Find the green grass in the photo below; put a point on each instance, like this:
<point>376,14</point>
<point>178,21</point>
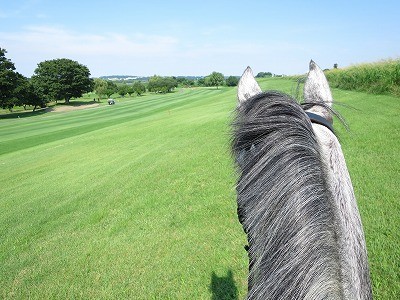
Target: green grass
<point>137,200</point>
<point>377,78</point>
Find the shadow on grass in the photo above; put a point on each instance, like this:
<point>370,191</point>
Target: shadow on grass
<point>77,103</point>
<point>24,114</point>
<point>41,111</point>
<point>213,88</point>
<point>223,288</point>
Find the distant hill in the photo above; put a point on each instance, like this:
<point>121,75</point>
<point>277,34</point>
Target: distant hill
<point>124,77</point>
<point>130,78</point>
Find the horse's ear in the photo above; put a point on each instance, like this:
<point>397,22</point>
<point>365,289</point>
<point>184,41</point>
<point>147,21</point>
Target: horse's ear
<point>248,86</point>
<point>316,90</point>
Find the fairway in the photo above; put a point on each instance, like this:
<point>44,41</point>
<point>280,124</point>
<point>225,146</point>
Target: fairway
<point>137,200</point>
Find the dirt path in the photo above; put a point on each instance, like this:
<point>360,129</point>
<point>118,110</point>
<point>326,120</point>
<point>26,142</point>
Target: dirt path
<point>65,108</point>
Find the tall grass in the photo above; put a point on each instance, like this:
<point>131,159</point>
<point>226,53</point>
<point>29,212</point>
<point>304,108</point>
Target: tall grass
<point>377,78</point>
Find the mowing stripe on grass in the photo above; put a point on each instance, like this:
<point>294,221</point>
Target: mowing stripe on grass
<point>141,203</point>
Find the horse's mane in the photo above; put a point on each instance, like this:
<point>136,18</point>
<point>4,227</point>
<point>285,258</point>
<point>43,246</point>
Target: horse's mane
<point>284,203</point>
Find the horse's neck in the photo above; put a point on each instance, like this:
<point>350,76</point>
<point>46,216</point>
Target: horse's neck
<point>353,255</point>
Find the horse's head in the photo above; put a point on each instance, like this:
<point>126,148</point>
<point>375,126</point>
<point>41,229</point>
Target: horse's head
<point>294,180</point>
<point>316,90</point>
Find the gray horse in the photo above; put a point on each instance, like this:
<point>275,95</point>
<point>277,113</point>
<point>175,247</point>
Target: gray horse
<point>295,198</point>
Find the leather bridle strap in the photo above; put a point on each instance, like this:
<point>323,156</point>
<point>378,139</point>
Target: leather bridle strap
<point>320,120</point>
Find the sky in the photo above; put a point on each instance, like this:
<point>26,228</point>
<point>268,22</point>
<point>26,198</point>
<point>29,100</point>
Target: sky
<point>178,38</point>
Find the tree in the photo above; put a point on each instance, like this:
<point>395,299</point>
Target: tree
<point>215,79</point>
<point>232,81</point>
<point>201,81</point>
<point>111,88</point>
<point>104,87</point>
<point>123,89</point>
<point>16,89</point>
<point>160,84</point>
<point>185,82</point>
<point>189,83</point>
<point>62,79</point>
<point>264,74</point>
<point>100,87</point>
<point>139,88</point>
<point>8,81</point>
<point>25,94</point>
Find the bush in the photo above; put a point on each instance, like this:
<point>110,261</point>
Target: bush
<point>232,81</point>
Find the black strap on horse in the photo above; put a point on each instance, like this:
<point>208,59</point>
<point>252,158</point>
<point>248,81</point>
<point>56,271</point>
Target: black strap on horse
<point>317,119</point>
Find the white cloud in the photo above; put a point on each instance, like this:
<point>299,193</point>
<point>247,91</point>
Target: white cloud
<point>45,39</point>
<point>38,43</point>
<point>109,53</point>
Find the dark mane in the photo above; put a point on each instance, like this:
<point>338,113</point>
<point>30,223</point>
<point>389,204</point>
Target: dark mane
<point>284,203</point>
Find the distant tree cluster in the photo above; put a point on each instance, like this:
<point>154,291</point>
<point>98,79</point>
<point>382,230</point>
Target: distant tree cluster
<point>105,88</point>
<point>185,82</point>
<point>158,84</point>
<point>215,79</point>
<point>267,74</point>
<point>138,87</point>
<point>232,81</point>
<point>264,74</point>
<point>218,79</point>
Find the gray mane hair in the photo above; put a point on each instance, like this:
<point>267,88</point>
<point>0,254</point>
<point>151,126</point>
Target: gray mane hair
<point>284,202</point>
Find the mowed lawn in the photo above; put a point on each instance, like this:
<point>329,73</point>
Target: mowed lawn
<point>137,200</point>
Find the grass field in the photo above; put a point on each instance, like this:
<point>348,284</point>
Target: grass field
<point>137,200</point>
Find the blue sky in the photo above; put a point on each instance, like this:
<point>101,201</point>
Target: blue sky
<point>199,37</point>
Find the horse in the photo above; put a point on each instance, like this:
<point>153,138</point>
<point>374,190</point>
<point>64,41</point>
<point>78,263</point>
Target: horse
<point>295,199</point>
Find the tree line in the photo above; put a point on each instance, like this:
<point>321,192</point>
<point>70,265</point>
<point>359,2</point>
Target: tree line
<point>64,79</point>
